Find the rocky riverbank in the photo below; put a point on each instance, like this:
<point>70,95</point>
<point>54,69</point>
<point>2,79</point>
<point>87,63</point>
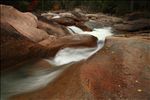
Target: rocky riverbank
<point>119,71</point>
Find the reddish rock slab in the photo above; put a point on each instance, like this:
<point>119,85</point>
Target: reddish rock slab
<point>119,71</point>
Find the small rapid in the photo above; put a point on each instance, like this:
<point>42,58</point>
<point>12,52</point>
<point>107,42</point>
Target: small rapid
<point>68,55</point>
<point>22,80</point>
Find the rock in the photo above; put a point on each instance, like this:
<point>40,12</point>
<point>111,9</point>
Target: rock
<point>119,71</point>
<point>93,24</point>
<point>71,22</point>
<point>67,14</point>
<point>24,23</point>
<point>92,16</point>
<point>101,20</point>
<point>22,48</point>
<point>137,15</point>
<point>79,14</point>
<point>53,28</point>
<point>57,90</point>
<point>55,15</point>
<point>48,15</point>
<point>21,39</point>
<point>65,21</point>
<point>56,43</point>
<point>135,25</point>
<point>83,26</point>
<point>15,48</point>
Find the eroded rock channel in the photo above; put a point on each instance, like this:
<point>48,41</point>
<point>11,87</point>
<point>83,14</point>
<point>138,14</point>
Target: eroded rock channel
<point>58,56</point>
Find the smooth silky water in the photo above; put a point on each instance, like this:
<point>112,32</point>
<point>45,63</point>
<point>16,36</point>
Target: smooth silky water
<point>24,80</point>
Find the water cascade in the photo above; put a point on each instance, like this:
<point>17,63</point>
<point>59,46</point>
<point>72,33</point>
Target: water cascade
<point>19,81</point>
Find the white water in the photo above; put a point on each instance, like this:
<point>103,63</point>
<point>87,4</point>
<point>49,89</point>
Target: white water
<point>19,81</point>
<point>68,55</point>
<point>23,80</point>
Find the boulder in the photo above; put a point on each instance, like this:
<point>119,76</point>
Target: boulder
<point>21,40</point>
<point>67,14</point>
<point>83,26</point>
<point>77,12</point>
<point>24,23</point>
<point>135,25</point>
<point>101,20</point>
<point>137,15</point>
<point>48,15</point>
<point>22,48</point>
<point>16,48</point>
<point>93,24</point>
<point>52,27</point>
<point>66,21</point>
<point>56,43</point>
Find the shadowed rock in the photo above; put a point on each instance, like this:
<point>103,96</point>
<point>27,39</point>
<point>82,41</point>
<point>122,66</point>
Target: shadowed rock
<point>15,47</point>
<point>21,39</point>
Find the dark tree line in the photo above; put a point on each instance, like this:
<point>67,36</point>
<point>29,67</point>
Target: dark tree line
<point>106,6</point>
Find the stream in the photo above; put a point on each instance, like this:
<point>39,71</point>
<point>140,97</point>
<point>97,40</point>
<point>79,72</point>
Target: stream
<point>24,80</point>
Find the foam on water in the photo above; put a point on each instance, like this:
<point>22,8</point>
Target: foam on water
<point>68,55</point>
<point>74,29</point>
<point>22,80</point>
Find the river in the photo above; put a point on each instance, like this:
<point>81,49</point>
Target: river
<point>29,77</point>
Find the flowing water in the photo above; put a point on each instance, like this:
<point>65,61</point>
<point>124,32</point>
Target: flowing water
<point>23,80</point>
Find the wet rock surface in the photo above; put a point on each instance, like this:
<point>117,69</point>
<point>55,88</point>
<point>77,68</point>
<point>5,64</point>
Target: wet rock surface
<point>28,37</point>
<point>118,71</point>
